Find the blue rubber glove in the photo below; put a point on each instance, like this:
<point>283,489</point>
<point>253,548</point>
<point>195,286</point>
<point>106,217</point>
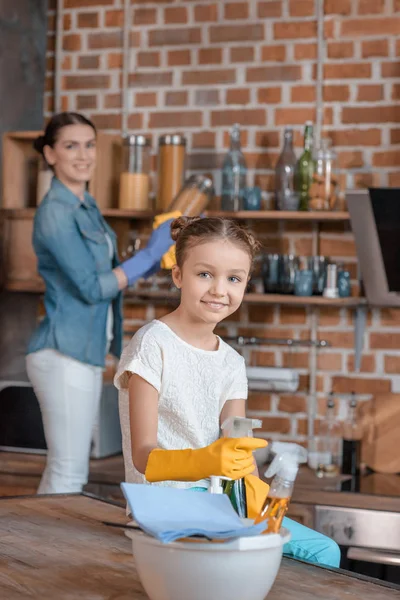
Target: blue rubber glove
<point>144,263</point>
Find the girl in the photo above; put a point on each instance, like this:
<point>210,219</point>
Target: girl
<point>77,259</point>
<point>179,381</point>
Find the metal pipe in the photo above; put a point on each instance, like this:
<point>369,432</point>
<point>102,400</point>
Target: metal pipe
<point>319,119</point>
<point>125,67</point>
<point>58,55</point>
<point>242,340</point>
<point>312,398</point>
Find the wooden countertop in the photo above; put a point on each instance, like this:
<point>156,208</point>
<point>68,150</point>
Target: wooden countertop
<point>57,547</point>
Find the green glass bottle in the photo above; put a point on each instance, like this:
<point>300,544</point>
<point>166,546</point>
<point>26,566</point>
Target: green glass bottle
<point>305,168</point>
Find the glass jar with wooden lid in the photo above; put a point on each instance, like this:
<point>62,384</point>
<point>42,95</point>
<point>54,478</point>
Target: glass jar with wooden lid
<point>171,168</point>
<point>194,196</point>
<point>135,175</point>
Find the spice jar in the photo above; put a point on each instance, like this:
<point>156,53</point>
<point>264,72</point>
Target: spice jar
<point>171,169</point>
<point>44,177</point>
<point>194,196</point>
<point>324,187</point>
<point>135,177</point>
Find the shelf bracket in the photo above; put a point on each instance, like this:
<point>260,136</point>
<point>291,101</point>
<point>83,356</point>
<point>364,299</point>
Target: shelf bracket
<point>360,322</point>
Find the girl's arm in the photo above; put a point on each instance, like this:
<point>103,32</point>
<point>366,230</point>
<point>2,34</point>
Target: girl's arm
<point>143,417</point>
<point>236,408</point>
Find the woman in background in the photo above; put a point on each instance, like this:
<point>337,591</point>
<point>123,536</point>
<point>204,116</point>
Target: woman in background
<point>77,259</point>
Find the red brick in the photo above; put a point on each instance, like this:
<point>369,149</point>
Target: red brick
<point>295,360</point>
<point>338,7</point>
<point>86,102</point>
<point>260,314</point>
<point>98,41</point>
<point>350,160</point>
<point>336,93</point>
<point>176,98</point>
<point>278,73</point>
<point>107,121</point>
<point>261,358</point>
<point>72,42</point>
<point>113,101</point>
<point>259,401</point>
<point>150,79</point>
<point>86,82</point>
<point>294,30</point>
<point>292,404</point>
<point>390,69</point>
<point>380,341</point>
<point>302,426</point>
<point>242,54</point>
<point>329,361</point>
<point>175,37</point>
<point>265,182</point>
<point>203,139</point>
<point>396,5</point>
<point>88,62</point>
<point>303,93</point>
<point>337,247</point>
<point>365,27</point>
<point>340,49</point>
<point>67,22</point>
<point>395,136</point>
<point>369,93</point>
<point>370,114</point>
<point>292,315</point>
<point>145,99</point>
<point>367,363</point>
<point>269,9</point>
<point>346,385</point>
<point>338,339</point>
<point>392,364</point>
<point>67,63</point>
<point>90,20</point>
<point>395,91</point>
<point>394,179</point>
<point>175,14</point>
<point>301,8</point>
<point>371,7</point>
<point>347,71</point>
<point>276,53</point>
<point>114,18</point>
<point>135,121</point>
<point>297,116</point>
<point>245,117</point>
<point>355,137</point>
<point>265,160</point>
<point>206,97</point>
<point>210,56</point>
<point>82,3</point>
<point>267,139</point>
<point>236,33</point>
<point>179,57</point>
<point>206,13</point>
<point>375,48</point>
<point>148,59</point>
<point>236,10</point>
<point>114,60</point>
<point>388,158</point>
<point>238,96</point>
<point>209,77</point>
<point>145,16</point>
<point>305,51</point>
<point>166,120</point>
<point>362,181</point>
<point>276,424</point>
<point>269,95</point>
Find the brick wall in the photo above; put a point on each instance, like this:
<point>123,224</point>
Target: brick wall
<point>198,67</point>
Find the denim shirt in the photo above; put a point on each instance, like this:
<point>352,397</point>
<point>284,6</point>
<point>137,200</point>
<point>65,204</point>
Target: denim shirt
<point>73,259</point>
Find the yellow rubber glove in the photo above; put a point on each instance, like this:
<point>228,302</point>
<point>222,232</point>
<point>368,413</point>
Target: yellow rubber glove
<point>229,457</point>
<point>256,493</point>
<point>169,258</point>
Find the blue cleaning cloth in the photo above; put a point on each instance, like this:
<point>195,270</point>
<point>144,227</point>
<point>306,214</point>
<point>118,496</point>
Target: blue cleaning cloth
<point>170,513</point>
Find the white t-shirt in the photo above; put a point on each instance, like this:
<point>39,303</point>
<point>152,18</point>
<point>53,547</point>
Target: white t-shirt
<point>193,386</point>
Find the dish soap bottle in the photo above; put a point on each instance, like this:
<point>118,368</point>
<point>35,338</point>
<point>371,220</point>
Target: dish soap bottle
<point>237,427</point>
<point>234,173</point>
<point>284,469</point>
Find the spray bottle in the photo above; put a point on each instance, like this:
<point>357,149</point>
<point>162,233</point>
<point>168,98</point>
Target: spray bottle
<point>284,468</point>
<point>235,427</point>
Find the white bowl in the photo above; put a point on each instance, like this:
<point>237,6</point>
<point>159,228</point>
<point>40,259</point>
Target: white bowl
<point>242,569</point>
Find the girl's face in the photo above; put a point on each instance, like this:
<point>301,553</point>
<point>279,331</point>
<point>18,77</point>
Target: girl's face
<point>212,280</point>
<point>73,155</point>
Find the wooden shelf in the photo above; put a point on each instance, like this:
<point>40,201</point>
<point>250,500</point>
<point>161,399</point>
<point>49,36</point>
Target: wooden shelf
<point>282,215</point>
<point>128,214</point>
<point>258,299</point>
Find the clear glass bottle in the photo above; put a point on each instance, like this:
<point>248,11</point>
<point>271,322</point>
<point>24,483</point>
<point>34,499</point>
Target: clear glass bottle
<point>330,434</point>
<point>305,168</point>
<point>234,174</point>
<point>324,190</point>
<point>285,195</point>
<point>352,435</point>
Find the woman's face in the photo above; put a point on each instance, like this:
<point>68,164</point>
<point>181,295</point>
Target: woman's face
<point>73,155</point>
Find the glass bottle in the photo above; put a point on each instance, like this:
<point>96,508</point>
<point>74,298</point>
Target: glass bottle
<point>352,434</point>
<point>330,434</point>
<point>324,190</point>
<point>285,196</point>
<point>234,173</point>
<point>305,168</point>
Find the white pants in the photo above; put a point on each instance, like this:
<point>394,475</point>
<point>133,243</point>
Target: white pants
<point>69,393</point>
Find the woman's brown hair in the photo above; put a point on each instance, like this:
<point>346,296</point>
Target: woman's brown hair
<point>188,232</point>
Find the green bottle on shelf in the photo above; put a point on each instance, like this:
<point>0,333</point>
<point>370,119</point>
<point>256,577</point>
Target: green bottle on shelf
<point>305,168</point>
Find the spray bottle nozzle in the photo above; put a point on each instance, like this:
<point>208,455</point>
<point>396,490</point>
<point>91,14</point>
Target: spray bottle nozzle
<point>287,460</point>
<point>216,485</point>
<point>236,427</point>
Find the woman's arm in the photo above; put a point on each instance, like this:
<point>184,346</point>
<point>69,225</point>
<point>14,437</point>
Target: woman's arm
<point>143,416</point>
<point>236,408</point>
